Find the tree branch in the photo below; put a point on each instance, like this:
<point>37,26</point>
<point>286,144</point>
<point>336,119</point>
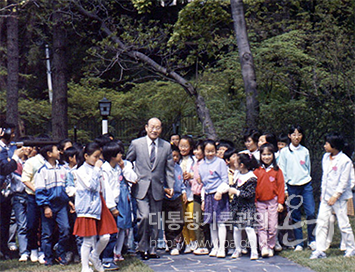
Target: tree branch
<point>136,54</point>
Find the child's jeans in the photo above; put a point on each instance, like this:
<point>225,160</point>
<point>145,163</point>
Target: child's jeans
<point>33,216</point>
<point>302,196</point>
<point>19,204</point>
<point>60,216</point>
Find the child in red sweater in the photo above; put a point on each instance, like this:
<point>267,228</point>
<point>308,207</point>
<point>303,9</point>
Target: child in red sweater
<point>269,196</point>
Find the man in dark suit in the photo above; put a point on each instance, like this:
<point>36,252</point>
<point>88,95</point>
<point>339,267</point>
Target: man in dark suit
<point>154,165</point>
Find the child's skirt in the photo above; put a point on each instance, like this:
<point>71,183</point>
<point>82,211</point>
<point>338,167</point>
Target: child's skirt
<point>124,220</point>
<point>85,226</point>
<point>216,211</point>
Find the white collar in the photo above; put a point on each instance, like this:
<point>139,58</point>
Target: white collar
<point>335,157</point>
<point>149,141</point>
<point>210,161</point>
<point>293,148</point>
<point>49,166</point>
<point>242,178</point>
<point>267,169</point>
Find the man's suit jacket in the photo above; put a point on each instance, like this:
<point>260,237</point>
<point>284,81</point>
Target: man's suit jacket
<point>161,171</point>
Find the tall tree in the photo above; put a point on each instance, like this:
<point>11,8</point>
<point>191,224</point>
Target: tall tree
<point>2,54</point>
<point>12,68</point>
<point>60,84</point>
<point>129,51</point>
<point>247,63</point>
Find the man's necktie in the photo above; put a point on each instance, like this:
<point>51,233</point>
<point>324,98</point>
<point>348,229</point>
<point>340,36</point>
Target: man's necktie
<point>152,153</point>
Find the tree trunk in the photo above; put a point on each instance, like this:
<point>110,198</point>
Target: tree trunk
<point>201,108</point>
<point>247,64</point>
<point>2,53</point>
<point>205,118</point>
<point>12,70</point>
<point>60,87</point>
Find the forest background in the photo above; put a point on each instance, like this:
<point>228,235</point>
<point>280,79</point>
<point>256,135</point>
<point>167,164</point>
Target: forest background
<point>303,53</point>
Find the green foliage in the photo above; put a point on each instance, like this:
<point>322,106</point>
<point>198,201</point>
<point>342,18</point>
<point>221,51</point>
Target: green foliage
<point>34,112</point>
<point>129,111</point>
<point>202,29</point>
<point>304,61</point>
<point>142,5</point>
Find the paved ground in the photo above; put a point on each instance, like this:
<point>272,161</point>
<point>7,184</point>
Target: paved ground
<point>192,263</point>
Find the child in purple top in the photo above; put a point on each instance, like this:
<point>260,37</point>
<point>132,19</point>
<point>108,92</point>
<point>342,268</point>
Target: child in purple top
<point>214,176</point>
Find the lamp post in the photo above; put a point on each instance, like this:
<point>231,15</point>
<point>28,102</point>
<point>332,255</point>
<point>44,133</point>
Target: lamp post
<point>105,109</point>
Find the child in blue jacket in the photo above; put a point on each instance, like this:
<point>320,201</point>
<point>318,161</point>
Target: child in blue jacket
<point>53,202</point>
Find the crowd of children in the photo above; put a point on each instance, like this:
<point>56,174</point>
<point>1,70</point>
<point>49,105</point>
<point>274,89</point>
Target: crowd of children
<point>224,203</point>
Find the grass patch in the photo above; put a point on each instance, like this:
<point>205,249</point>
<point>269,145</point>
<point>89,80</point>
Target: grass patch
<point>128,265</point>
<point>334,261</point>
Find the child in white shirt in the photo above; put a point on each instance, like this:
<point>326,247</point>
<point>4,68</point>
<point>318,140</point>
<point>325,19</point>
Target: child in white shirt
<point>336,190</point>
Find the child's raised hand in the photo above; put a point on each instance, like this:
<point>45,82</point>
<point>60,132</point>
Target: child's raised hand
<point>217,196</point>
<point>121,164</point>
<point>280,208</point>
<point>99,163</point>
<point>19,152</point>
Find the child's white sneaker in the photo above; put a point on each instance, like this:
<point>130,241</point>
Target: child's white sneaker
<point>221,253</point>
<point>213,252</point>
<point>298,248</point>
<point>187,249</point>
<point>317,255</point>
<point>271,252</point>
<point>244,251</point>
<point>349,254</point>
<point>13,248</point>
<point>41,259</point>
<point>23,257</point>
<point>201,251</point>
<point>265,252</point>
<point>278,247</point>
<point>313,246</point>
<point>34,255</point>
<point>236,254</point>
<point>174,252</point>
<point>254,255</point>
<point>96,263</point>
